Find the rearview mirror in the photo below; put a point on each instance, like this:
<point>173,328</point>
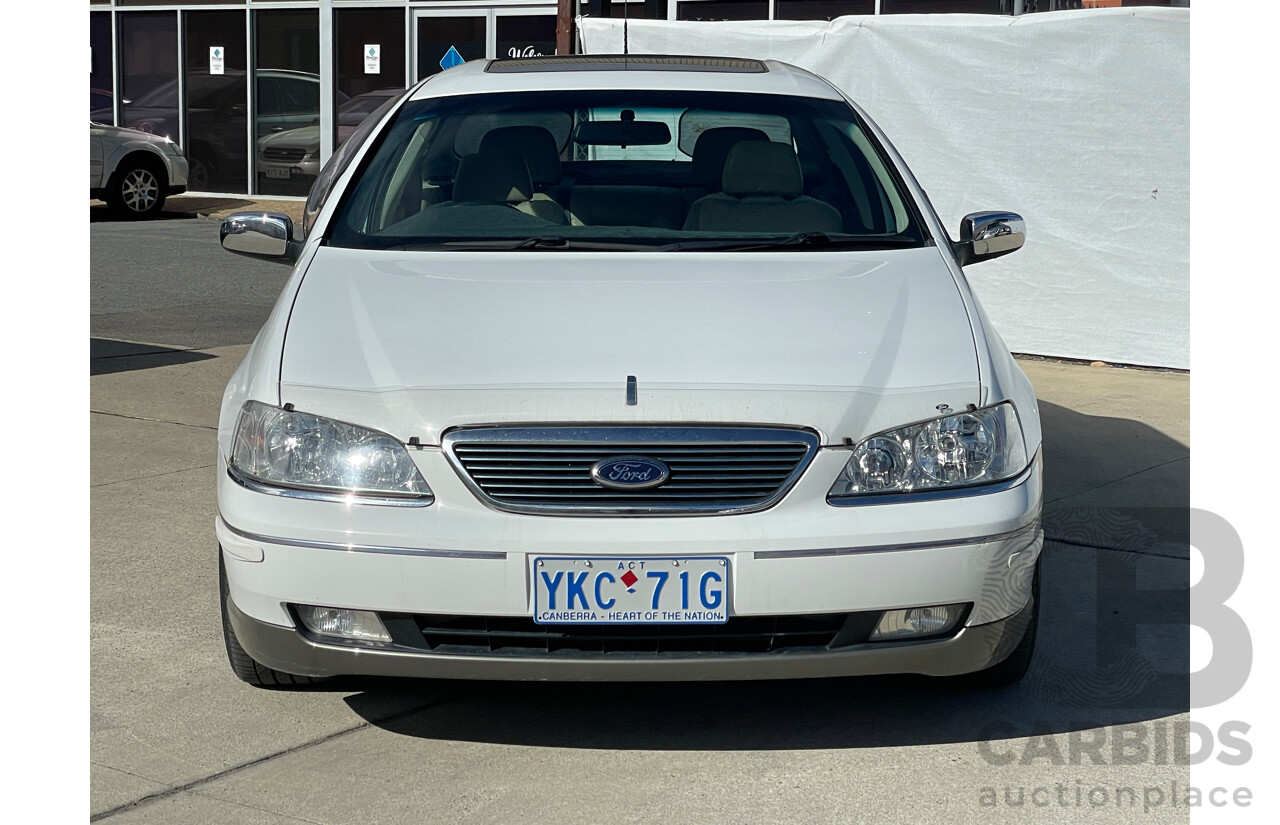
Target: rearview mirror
<point>622,133</point>
<point>267,235</point>
<point>987,235</point>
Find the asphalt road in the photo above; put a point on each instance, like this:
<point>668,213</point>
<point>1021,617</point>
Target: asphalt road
<point>168,282</point>
<point>175,738</point>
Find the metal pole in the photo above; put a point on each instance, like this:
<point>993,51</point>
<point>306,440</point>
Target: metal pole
<point>564,26</point>
<point>327,69</point>
<point>1019,7</point>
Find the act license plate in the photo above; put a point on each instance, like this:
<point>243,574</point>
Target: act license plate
<point>276,172</point>
<point>631,591</point>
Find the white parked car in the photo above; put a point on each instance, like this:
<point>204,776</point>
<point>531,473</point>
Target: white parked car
<point>655,368</point>
<point>134,171</point>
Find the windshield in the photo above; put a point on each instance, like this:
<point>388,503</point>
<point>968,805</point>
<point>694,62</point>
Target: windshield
<point>625,169</point>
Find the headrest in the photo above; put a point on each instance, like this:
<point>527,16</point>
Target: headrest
<point>762,168</point>
<point>533,143</point>
<point>712,149</point>
<point>492,179</point>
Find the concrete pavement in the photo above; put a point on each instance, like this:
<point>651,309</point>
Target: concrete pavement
<point>175,738</point>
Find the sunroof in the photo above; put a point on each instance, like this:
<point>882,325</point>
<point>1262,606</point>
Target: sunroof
<point>623,62</point>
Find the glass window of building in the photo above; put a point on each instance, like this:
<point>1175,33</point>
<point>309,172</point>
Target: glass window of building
<point>101,82</point>
<point>723,10</point>
<point>462,33</point>
<point>940,6</point>
<point>149,72</point>
<point>821,9</point>
<point>525,35</point>
<point>217,114</point>
<point>286,94</point>
<point>370,59</point>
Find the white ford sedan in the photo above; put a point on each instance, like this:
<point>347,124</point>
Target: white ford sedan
<point>643,368</point>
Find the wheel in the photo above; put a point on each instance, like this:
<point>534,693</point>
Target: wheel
<point>1013,668</point>
<point>136,190</point>
<point>242,664</point>
<point>199,172</point>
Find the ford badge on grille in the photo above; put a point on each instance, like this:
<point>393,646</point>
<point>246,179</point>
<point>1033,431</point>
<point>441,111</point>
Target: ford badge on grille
<point>629,472</point>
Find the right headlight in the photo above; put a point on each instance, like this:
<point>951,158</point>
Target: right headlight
<point>298,452</point>
<point>957,450</point>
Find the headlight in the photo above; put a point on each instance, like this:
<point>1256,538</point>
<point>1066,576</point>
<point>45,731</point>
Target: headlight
<point>958,450</point>
<point>298,451</point>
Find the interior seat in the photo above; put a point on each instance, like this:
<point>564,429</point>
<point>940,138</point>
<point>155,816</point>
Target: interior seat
<point>502,178</point>
<point>710,152</point>
<point>763,192</point>
<point>537,146</point>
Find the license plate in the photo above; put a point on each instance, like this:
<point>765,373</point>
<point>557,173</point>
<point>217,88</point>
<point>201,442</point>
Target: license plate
<point>631,591</point>
<point>276,172</point>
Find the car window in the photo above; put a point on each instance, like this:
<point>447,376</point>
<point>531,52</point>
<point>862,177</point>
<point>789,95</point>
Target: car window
<point>340,159</point>
<point>472,128</point>
<point>268,97</point>
<point>298,95</point>
<point>696,121</point>
<point>660,169</point>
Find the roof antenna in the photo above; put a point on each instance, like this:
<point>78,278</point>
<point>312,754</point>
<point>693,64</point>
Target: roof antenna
<point>625,51</point>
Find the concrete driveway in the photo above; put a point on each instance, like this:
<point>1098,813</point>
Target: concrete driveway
<point>176,738</point>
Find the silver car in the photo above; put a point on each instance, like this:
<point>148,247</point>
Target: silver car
<point>134,171</point>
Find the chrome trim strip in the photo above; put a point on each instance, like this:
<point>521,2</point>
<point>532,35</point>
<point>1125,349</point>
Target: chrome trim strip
<point>318,495</point>
<point>1032,528</point>
<point>946,493</point>
<point>634,439</point>
<point>363,548</point>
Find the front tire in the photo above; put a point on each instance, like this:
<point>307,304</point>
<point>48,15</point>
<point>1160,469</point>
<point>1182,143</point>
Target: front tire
<point>137,190</point>
<point>243,665</point>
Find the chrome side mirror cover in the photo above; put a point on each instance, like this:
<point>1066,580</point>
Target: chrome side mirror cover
<point>987,235</point>
<point>267,235</point>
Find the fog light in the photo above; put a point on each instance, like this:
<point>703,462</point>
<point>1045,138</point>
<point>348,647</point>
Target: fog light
<point>354,625</point>
<point>917,621</point>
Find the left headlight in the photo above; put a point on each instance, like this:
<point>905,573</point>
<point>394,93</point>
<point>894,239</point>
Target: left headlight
<point>957,450</point>
<point>298,451</point>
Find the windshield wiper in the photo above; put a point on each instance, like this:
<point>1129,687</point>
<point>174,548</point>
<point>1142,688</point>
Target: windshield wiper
<point>543,242</point>
<point>798,239</point>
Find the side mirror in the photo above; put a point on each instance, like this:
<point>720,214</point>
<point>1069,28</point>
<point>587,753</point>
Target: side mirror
<point>266,235</point>
<point>987,235</point>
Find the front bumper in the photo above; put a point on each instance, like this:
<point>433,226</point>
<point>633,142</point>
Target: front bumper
<point>973,648</point>
<point>802,556</point>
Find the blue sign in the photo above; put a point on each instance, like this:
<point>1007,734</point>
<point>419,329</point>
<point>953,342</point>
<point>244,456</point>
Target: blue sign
<point>451,58</point>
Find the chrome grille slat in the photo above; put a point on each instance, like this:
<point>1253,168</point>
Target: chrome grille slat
<point>547,470</point>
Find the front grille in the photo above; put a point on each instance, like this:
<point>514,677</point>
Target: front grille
<point>712,469</point>
<point>284,154</point>
<point>514,636</point>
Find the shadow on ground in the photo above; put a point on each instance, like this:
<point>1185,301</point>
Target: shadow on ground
<point>107,356</point>
<point>175,208</point>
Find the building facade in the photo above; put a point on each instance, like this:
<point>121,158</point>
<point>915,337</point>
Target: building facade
<point>260,92</point>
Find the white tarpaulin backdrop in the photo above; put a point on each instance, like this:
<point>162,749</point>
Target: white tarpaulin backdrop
<point>1080,121</point>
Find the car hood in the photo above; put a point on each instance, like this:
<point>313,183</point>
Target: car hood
<point>122,134</point>
<point>416,343</point>
<point>304,137</point>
